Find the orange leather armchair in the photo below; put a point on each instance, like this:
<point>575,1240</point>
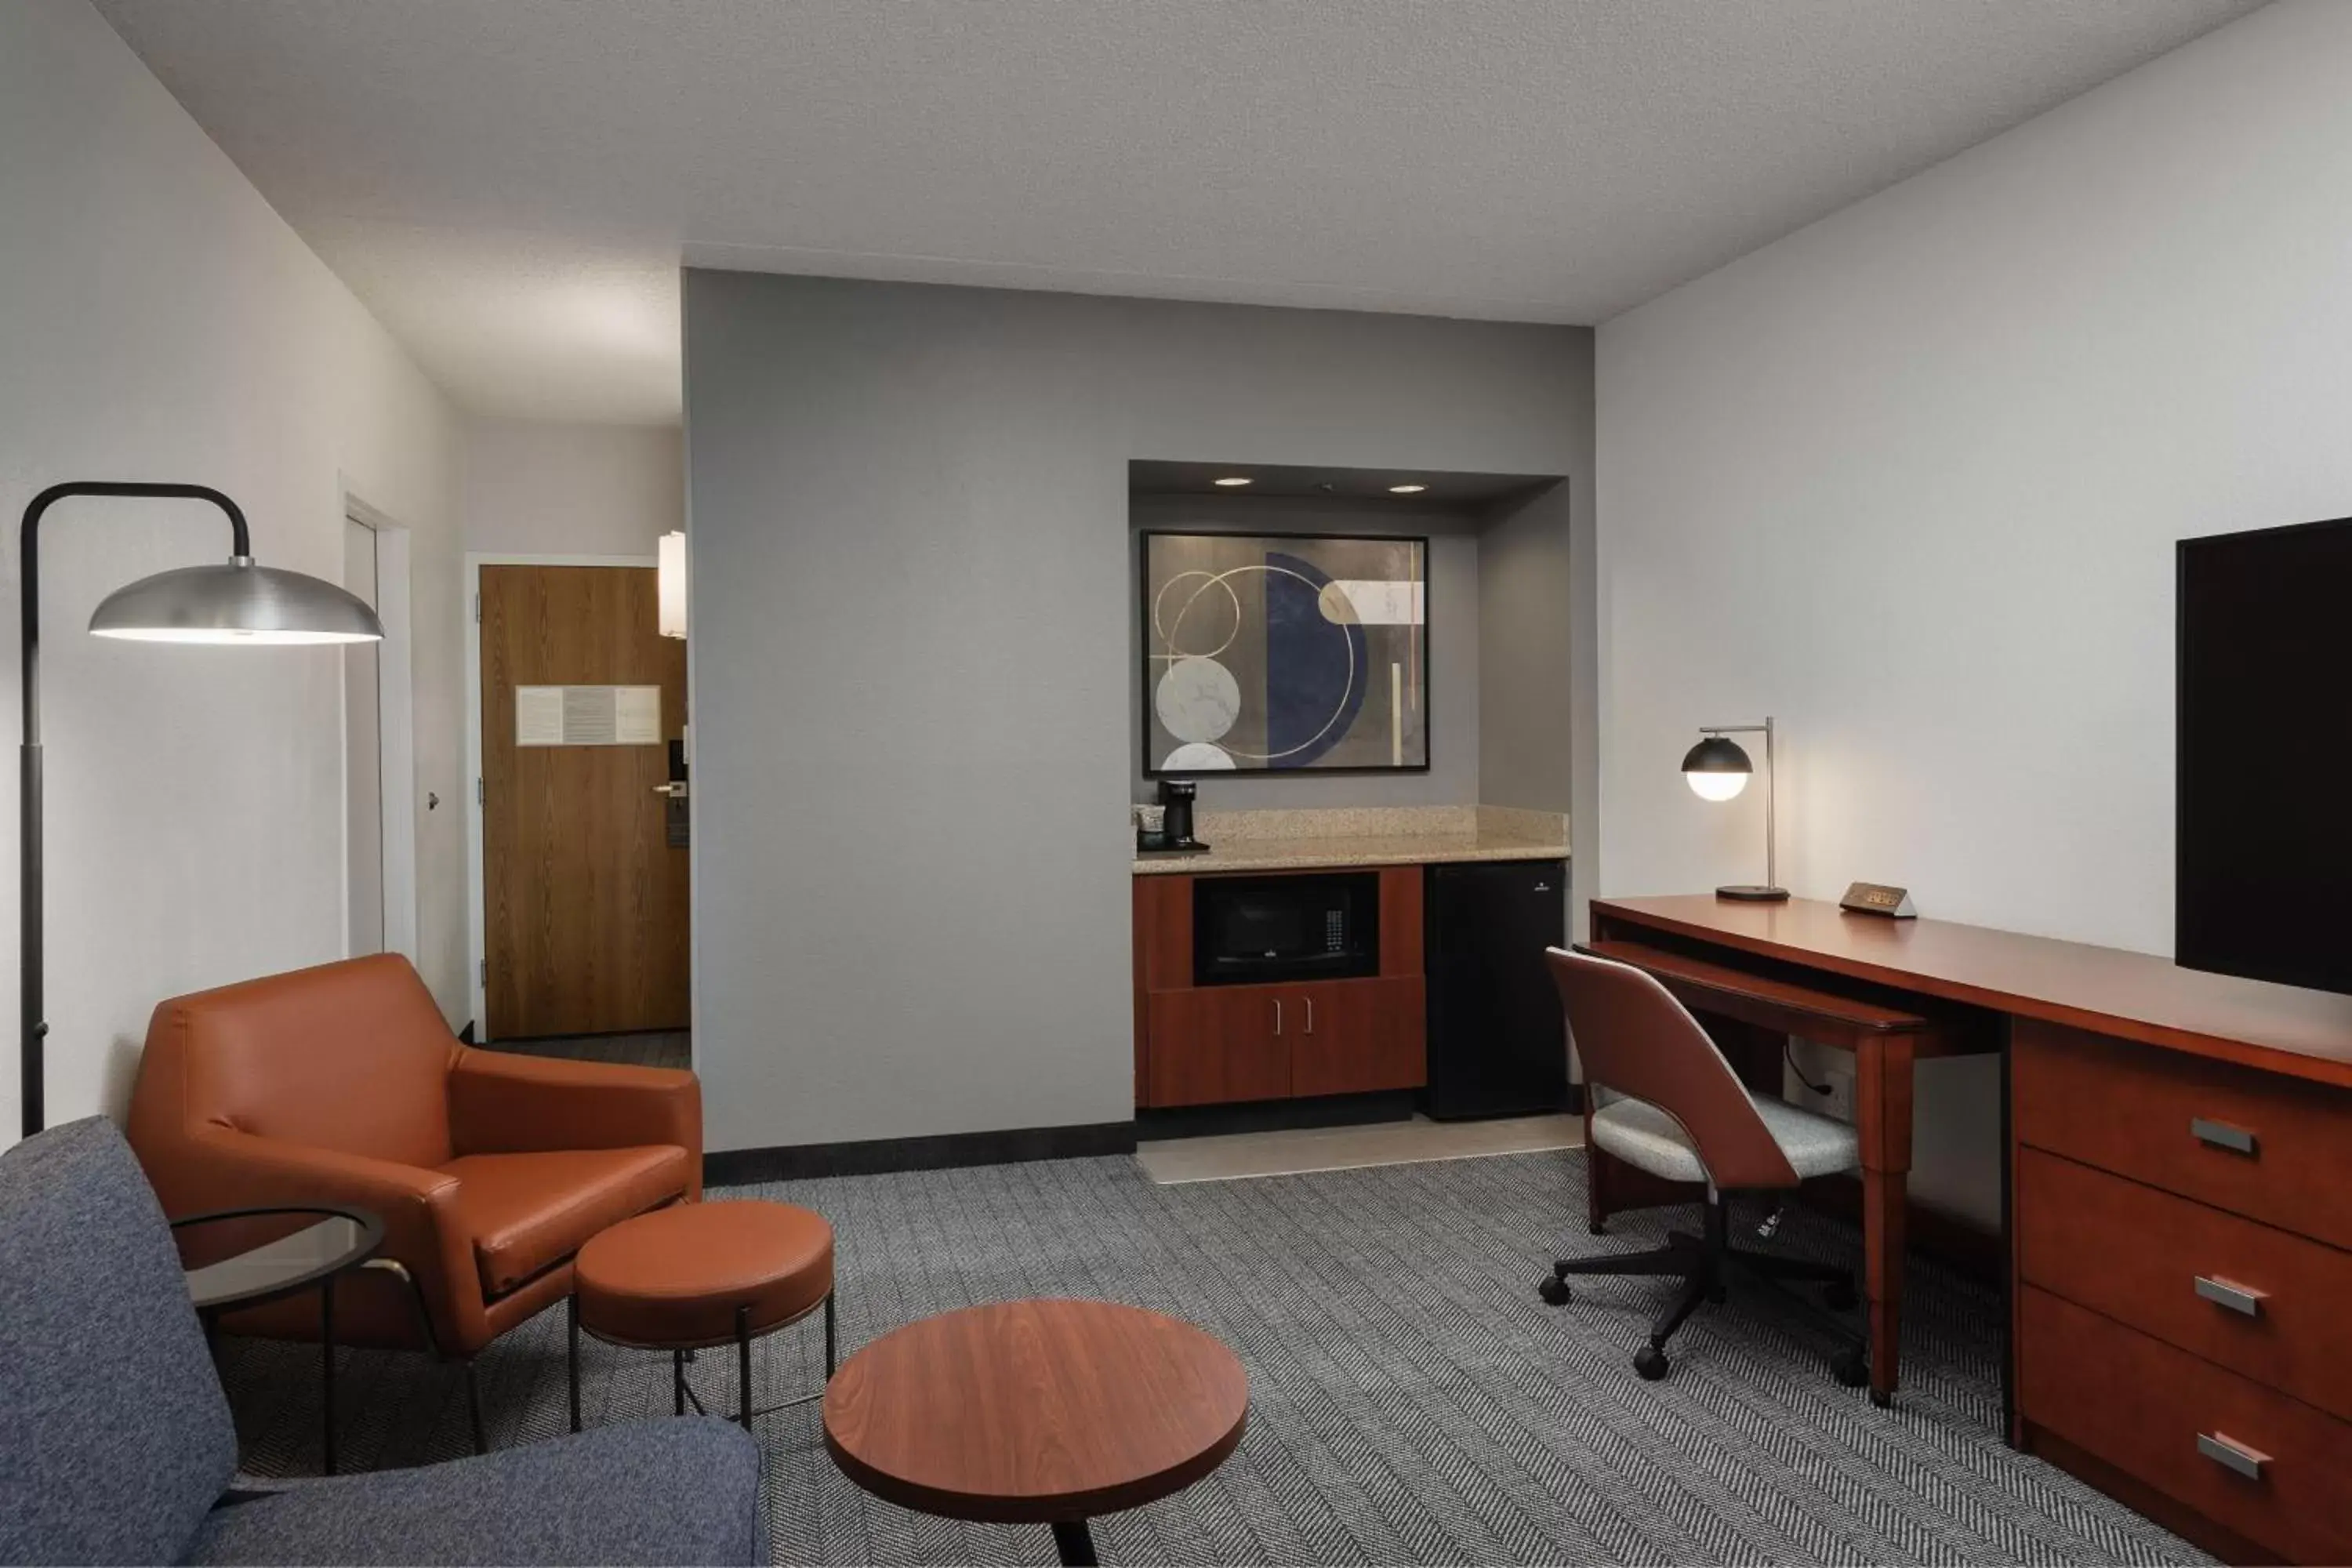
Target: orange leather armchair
<point>342,1085</point>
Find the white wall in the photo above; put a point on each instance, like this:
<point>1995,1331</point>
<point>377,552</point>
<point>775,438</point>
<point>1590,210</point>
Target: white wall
<point>1911,479</point>
<point>570,489</point>
<point>158,320</point>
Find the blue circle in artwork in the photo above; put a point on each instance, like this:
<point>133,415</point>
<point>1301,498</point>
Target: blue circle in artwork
<point>1315,681</point>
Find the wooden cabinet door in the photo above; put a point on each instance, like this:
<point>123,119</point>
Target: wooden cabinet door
<point>1353,1036</point>
<point>1222,1043</point>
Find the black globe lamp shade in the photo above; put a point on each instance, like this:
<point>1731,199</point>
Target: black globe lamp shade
<point>1717,754</point>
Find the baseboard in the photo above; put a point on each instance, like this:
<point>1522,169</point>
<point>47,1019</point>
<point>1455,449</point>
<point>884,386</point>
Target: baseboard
<point>1274,1115</point>
<point>735,1167</point>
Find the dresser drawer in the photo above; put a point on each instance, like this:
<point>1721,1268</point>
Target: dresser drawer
<point>2274,1306</point>
<point>2277,1149</point>
<point>2155,1411</point>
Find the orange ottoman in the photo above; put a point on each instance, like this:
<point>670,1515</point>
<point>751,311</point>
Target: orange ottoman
<point>696,1275</point>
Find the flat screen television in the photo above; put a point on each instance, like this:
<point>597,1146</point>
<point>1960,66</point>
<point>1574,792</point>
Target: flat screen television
<point>2263,884</point>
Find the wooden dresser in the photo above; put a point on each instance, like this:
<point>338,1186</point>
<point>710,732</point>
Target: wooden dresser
<point>2179,1205</point>
<point>2182,1237</point>
<point>1215,1045</point>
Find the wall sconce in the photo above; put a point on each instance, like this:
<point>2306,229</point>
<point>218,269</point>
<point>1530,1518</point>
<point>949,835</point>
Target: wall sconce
<point>1719,769</point>
<point>672,614</point>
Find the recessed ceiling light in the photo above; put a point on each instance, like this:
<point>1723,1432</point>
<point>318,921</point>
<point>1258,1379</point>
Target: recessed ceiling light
<point>1232,481</point>
<point>1406,489</point>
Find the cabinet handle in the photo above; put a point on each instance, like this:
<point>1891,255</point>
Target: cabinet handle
<point>2229,1293</point>
<point>1310,1014</point>
<point>2221,1135</point>
<point>1277,1014</point>
<point>2233,1455</point>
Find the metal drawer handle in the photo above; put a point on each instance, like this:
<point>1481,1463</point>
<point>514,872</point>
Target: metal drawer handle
<point>2233,1455</point>
<point>1277,1014</point>
<point>1310,1014</point>
<point>2221,1135</point>
<point>2229,1293</point>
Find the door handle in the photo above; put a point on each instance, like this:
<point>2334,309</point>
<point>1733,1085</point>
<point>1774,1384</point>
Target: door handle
<point>676,790</point>
<point>1310,1014</point>
<point>2230,1294</point>
<point>2231,1455</point>
<point>1277,1014</point>
<point>2221,1135</point>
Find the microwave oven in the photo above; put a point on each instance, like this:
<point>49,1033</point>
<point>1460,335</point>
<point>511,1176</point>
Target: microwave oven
<point>1251,931</point>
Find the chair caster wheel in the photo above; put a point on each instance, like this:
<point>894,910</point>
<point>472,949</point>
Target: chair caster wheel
<point>1597,1226</point>
<point>1850,1367</point>
<point>1718,1296</point>
<point>1838,1296</point>
<point>1651,1363</point>
<point>1554,1290</point>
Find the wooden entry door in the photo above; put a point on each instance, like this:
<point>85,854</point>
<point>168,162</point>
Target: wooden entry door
<point>585,901</point>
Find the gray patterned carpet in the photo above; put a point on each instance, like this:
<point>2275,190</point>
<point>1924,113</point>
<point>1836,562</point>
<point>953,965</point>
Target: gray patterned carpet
<point>1411,1400</point>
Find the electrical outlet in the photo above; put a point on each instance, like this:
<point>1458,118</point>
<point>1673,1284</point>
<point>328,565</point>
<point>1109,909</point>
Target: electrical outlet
<point>1808,1065</point>
<point>1839,1102</point>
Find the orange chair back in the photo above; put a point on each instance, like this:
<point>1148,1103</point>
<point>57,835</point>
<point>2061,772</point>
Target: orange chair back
<point>352,1056</point>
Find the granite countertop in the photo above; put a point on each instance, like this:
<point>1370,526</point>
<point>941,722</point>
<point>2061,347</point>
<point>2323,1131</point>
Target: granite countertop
<point>1398,835</point>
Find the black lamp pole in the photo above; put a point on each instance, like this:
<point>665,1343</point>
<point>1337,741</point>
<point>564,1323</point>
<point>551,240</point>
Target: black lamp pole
<point>29,804</point>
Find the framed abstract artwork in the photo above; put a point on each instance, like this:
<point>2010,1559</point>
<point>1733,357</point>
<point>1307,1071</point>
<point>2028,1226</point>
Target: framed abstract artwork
<point>1304,652</point>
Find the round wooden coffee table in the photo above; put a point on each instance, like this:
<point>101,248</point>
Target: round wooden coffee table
<point>1036,1413</point>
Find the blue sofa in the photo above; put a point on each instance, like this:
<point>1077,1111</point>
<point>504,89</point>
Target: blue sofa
<point>118,1447</point>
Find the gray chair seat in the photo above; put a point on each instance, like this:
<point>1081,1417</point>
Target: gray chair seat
<point>1643,1135</point>
<point>682,1491</point>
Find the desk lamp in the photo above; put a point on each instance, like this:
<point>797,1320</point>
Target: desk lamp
<point>1719,769</point>
<point>237,604</point>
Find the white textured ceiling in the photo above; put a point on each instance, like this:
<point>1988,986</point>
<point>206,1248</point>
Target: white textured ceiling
<point>511,184</point>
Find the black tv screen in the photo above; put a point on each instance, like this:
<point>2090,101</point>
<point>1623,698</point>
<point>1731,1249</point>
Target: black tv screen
<point>2264,875</point>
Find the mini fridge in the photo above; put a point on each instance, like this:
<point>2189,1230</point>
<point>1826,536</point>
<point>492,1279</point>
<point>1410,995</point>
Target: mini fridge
<point>1496,1045</point>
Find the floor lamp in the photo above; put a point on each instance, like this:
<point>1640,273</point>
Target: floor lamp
<point>237,604</point>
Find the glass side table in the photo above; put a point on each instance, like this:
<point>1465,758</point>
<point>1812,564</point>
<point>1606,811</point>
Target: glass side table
<point>305,1258</point>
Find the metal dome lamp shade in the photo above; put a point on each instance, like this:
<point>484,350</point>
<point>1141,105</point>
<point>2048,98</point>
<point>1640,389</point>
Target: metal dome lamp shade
<point>237,603</point>
<point>1719,769</point>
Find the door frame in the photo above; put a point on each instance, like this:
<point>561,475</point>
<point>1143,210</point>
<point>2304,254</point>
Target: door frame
<point>477,941</point>
<point>395,699</point>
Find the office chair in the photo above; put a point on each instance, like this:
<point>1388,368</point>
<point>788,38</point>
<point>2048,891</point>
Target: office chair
<point>1665,1101</point>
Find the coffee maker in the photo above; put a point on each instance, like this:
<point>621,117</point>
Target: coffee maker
<point>1176,819</point>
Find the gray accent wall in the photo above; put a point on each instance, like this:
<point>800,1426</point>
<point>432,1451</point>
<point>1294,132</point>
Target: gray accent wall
<point>912,676</point>
<point>1524,754</point>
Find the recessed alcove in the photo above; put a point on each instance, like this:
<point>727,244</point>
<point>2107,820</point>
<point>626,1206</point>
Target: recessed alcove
<point>1496,608</point>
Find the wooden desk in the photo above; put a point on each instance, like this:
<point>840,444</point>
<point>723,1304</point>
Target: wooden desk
<point>1886,1041</point>
<point>2179,1203</point>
